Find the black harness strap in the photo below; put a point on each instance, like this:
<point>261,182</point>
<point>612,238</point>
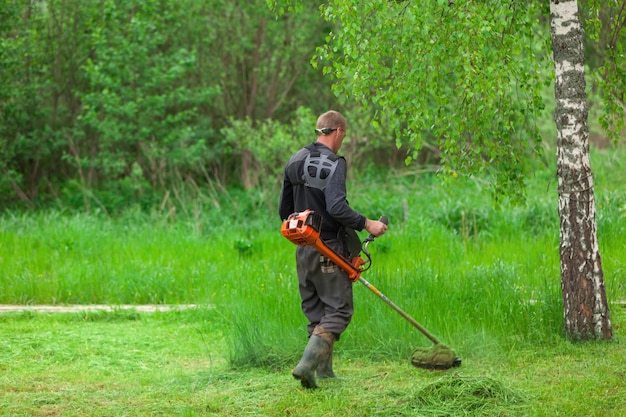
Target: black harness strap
<point>319,167</point>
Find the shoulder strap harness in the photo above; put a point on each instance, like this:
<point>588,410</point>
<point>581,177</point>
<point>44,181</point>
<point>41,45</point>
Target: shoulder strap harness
<point>319,167</point>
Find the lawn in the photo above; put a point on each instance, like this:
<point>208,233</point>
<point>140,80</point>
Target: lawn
<point>126,363</point>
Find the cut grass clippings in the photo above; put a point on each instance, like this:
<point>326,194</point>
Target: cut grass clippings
<point>175,363</point>
<point>470,395</point>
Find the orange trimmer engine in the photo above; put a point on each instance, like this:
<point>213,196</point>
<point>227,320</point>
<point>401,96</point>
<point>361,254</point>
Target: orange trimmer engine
<point>303,229</point>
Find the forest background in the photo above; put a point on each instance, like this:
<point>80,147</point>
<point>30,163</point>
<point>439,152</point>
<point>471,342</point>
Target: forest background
<point>157,104</point>
<point>142,145</point>
<point>111,105</point>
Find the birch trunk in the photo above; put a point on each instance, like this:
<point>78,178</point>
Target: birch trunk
<point>586,312</point>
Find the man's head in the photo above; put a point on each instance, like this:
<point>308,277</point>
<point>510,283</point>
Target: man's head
<point>331,129</point>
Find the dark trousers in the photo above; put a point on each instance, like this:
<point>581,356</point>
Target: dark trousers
<point>325,289</point>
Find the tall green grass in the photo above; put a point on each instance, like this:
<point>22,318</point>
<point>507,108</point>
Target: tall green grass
<point>484,278</point>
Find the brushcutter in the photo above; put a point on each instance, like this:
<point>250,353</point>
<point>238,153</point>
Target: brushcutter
<point>303,229</point>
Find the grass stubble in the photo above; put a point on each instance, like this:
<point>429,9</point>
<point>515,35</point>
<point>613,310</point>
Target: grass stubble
<point>174,363</point>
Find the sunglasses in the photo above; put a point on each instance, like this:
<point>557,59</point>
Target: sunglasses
<point>327,130</point>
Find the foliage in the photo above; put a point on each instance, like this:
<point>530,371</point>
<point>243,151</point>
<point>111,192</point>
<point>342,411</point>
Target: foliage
<point>269,143</point>
<point>466,78</point>
<point>605,22</point>
<point>108,103</point>
<point>24,132</point>
<point>138,115</point>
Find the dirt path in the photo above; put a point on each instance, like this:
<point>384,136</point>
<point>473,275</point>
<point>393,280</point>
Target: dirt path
<point>148,308</point>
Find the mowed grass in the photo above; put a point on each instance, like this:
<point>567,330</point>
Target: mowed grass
<point>483,279</point>
<point>173,364</point>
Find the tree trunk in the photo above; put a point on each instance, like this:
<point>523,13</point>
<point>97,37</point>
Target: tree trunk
<point>586,310</point>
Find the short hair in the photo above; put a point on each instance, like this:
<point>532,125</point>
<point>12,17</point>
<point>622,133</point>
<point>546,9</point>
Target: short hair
<point>331,118</point>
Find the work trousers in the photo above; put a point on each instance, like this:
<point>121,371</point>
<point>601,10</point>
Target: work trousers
<point>325,289</point>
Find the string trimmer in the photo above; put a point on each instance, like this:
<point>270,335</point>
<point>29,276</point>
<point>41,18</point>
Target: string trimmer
<point>303,229</point>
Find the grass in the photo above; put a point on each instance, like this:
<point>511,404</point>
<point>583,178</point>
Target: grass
<point>174,363</point>
<point>483,279</point>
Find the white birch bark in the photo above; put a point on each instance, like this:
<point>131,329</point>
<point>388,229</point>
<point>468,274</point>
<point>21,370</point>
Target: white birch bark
<point>586,311</point>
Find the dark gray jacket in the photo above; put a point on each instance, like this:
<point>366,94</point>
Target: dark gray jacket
<point>315,179</point>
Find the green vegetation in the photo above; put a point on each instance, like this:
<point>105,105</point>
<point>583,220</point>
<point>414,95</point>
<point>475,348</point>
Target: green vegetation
<point>141,149</point>
<point>106,102</point>
<point>102,102</point>
<point>484,279</point>
<point>166,364</point>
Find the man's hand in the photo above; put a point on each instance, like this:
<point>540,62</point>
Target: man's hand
<point>375,227</point>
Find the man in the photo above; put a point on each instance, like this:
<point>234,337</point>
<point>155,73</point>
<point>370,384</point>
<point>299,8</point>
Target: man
<point>315,179</point>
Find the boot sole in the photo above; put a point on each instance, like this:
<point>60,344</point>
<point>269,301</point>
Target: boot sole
<point>306,382</point>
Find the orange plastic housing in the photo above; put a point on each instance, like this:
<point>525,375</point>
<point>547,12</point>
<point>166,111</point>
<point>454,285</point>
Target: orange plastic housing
<point>303,229</point>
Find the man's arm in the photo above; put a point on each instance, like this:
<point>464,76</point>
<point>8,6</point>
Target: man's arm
<point>336,201</point>
<point>338,207</point>
<point>286,205</point>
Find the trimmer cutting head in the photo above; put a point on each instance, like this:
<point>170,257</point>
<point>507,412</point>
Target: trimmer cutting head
<point>439,356</point>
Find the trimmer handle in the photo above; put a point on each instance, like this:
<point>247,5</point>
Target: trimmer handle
<point>371,237</point>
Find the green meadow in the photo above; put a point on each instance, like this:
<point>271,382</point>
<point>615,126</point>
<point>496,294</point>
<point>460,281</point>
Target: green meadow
<point>483,276</point>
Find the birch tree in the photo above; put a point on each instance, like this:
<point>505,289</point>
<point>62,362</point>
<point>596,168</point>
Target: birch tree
<point>586,311</point>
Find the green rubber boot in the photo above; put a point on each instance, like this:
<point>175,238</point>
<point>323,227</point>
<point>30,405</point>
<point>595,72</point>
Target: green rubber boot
<point>325,367</point>
<point>315,351</point>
